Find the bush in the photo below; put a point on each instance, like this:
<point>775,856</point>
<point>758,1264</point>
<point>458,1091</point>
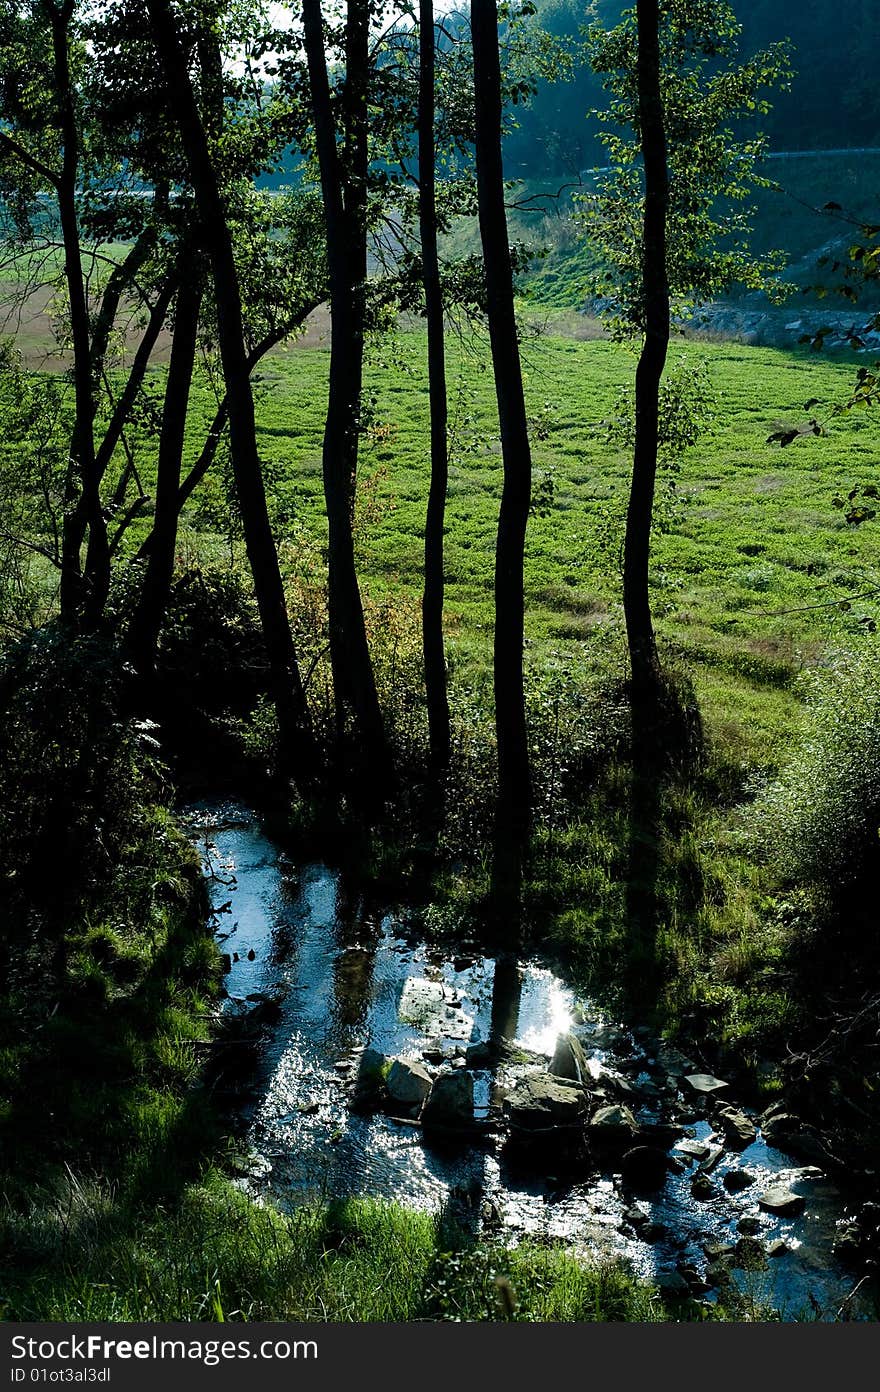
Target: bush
<point>78,778</point>
<point>819,820</point>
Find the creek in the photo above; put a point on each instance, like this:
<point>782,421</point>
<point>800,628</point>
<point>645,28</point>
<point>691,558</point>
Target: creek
<point>326,979</point>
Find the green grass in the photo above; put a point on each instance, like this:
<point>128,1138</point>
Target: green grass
<point>79,1255</point>
<point>756,534</point>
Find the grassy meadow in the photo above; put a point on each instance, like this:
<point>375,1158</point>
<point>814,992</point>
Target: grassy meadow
<point>752,554</point>
<point>758,578</point>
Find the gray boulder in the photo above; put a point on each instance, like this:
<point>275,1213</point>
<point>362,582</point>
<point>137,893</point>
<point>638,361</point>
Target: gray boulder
<point>702,1188</point>
<point>408,1082</point>
<point>451,1101</point>
<point>569,1059</point>
<point>704,1084</point>
<point>735,1181</point>
<point>781,1200</point>
<point>613,1125</point>
<point>739,1131</point>
<point>370,1092</point>
<point>541,1103</point>
<point>694,1150</point>
<point>749,1224</point>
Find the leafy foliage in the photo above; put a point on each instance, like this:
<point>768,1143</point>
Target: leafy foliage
<point>821,818</point>
<point>706,89</point>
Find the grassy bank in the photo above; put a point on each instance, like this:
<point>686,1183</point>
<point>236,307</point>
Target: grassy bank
<point>114,1206</point>
<point>215,1254</point>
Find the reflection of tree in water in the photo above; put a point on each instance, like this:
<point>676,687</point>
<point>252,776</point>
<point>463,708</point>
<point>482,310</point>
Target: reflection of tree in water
<point>506,998</point>
<point>354,964</point>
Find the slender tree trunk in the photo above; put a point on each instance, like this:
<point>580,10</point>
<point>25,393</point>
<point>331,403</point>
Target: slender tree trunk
<point>75,522</point>
<point>80,601</point>
<point>432,597</point>
<point>514,779</point>
<point>297,748</point>
<point>345,221</point>
<point>153,600</point>
<point>218,424</point>
<point>646,677</point>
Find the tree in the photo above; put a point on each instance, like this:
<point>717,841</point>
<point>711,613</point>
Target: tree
<point>514,778</point>
<point>652,362</point>
<point>673,227</point>
<point>297,747</point>
<point>432,596</point>
<point>343,173</point>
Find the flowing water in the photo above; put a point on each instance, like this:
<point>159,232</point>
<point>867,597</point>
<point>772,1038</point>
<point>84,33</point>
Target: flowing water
<point>332,980</point>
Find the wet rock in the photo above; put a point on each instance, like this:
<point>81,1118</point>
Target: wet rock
<point>778,1248</point>
<point>775,1109</point>
<point>613,1125</point>
<point>373,1065</point>
<point>708,1163</point>
<point>491,1214</point>
<point>781,1200</point>
<point>434,1054</point>
<point>739,1130</point>
<point>807,1172</point>
<point>735,1181</point>
<point>614,1085</point>
<point>644,1167</point>
<point>451,1101</point>
<point>569,1059</point>
<point>749,1225</point>
<point>704,1084</point>
<point>541,1103</point>
<point>225,963</point>
<point>672,1283</point>
<point>370,1092</point>
<point>696,1284</point>
<point>694,1150</point>
<point>718,1274</point>
<point>660,1133</point>
<point>481,1055</point>
<point>702,1188</point>
<point>785,1131</point>
<point>635,1216</point>
<point>408,1083</point>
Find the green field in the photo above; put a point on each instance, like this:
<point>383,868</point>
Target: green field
<point>754,534</point>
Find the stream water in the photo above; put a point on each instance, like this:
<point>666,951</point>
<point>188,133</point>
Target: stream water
<point>340,980</point>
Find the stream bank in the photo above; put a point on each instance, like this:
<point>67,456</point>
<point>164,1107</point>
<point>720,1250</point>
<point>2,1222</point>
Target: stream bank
<point>354,1022</point>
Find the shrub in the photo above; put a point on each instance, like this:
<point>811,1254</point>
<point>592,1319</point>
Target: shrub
<point>819,820</point>
<point>78,778</point>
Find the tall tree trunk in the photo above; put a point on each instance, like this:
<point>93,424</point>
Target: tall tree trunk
<point>345,221</point>
<point>153,600</point>
<point>645,667</point>
<point>75,522</point>
<point>297,747</point>
<point>80,601</point>
<point>514,779</point>
<point>432,597</point>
